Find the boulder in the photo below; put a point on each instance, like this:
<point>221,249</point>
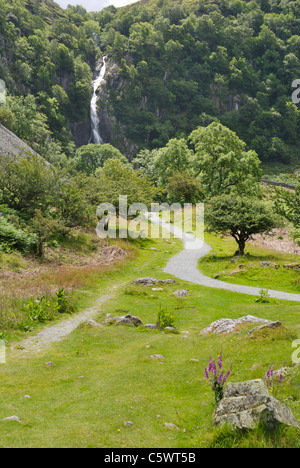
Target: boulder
<point>268,325</point>
<point>127,319</point>
<point>247,404</point>
<point>226,325</point>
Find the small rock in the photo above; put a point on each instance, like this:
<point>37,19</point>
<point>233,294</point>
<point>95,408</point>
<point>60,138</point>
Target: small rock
<point>27,397</point>
<point>182,293</point>
<point>157,289</point>
<point>157,356</point>
<point>194,360</point>
<point>127,319</point>
<point>124,321</point>
<point>128,423</point>
<point>49,364</point>
<point>13,418</point>
<point>170,426</point>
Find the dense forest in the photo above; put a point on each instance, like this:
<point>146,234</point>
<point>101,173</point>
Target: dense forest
<point>180,65</point>
<point>198,92</point>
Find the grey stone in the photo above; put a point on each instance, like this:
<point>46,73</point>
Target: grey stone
<point>182,293</point>
<point>247,404</point>
<point>127,319</point>
<point>124,321</point>
<point>13,418</point>
<point>268,325</point>
<point>157,356</point>
<point>226,325</point>
<point>170,426</point>
<point>128,423</point>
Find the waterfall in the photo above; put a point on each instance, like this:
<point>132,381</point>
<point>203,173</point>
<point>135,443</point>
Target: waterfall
<point>95,135</point>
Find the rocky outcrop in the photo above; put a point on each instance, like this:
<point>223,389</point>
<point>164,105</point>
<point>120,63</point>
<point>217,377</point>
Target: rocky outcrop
<point>226,325</point>
<point>248,404</point>
<point>11,145</point>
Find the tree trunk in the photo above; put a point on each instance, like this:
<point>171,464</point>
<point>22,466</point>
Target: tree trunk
<point>242,246</point>
<point>40,249</point>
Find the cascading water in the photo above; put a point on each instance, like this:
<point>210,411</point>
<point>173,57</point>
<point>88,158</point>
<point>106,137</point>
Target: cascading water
<point>95,135</point>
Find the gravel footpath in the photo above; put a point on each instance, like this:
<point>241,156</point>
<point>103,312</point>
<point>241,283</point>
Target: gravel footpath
<point>55,333</point>
<point>185,265</point>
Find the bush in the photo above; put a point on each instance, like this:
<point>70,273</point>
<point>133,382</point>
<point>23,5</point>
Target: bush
<point>46,308</point>
<point>13,238</point>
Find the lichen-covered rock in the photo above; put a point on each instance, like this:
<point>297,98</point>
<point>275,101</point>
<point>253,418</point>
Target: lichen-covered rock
<point>247,404</point>
<point>266,325</point>
<point>226,325</point>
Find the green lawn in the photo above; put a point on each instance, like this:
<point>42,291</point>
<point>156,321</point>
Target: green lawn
<point>221,264</point>
<point>103,377</point>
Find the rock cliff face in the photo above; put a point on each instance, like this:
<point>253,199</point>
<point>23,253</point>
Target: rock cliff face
<point>11,145</point>
<point>81,132</point>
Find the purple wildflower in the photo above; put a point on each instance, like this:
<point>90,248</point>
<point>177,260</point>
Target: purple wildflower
<point>220,361</point>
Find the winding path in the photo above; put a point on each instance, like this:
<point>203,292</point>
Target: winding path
<point>185,265</point>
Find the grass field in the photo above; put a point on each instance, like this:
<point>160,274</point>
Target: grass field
<point>222,264</point>
<point>104,377</point>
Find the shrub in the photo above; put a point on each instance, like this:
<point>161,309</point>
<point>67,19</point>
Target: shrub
<point>164,318</point>
<point>263,298</point>
<point>46,308</point>
<point>13,238</point>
